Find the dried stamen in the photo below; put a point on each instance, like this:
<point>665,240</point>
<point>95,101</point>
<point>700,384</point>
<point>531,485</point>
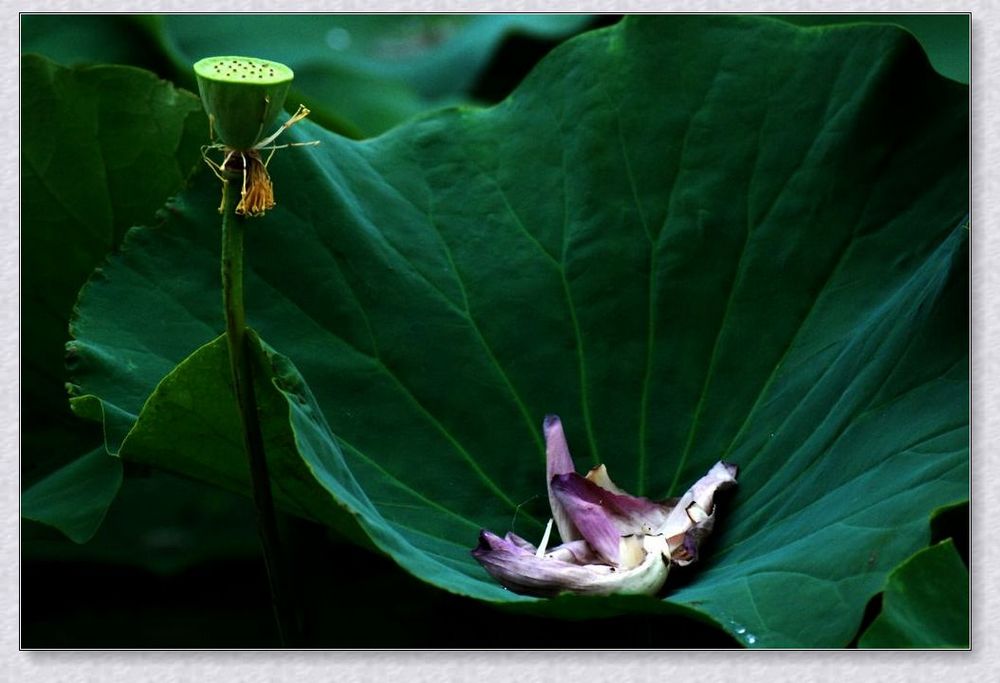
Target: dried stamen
<point>257,195</point>
<point>256,189</point>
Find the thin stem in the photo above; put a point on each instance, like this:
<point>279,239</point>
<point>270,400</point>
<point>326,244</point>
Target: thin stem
<point>253,440</point>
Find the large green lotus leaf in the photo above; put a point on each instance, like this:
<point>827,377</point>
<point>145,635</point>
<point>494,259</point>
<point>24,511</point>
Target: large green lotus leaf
<point>925,604</point>
<point>101,150</point>
<point>692,238</point>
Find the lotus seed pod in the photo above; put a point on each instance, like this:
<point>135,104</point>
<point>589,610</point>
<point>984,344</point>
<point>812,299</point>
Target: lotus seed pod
<point>242,96</point>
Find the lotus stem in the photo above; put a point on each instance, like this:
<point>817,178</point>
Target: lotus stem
<point>241,368</point>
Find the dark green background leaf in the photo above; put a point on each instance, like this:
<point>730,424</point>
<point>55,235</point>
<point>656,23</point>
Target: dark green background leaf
<point>925,603</point>
<point>94,39</point>
<point>369,71</point>
<point>360,74</point>
<point>944,36</point>
<point>102,148</point>
<point>75,498</point>
<point>156,522</point>
<point>722,238</point>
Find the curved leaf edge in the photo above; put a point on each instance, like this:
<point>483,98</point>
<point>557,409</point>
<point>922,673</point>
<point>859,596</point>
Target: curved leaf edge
<point>935,516</point>
<point>935,58</point>
<point>883,632</point>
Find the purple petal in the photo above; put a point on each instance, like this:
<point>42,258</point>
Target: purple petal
<point>558,461</point>
<point>582,502</point>
<point>630,514</point>
<point>685,548</point>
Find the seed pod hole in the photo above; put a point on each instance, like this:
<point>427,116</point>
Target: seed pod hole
<point>243,96</point>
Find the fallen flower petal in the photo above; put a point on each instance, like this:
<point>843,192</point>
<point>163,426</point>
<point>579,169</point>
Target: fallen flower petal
<point>520,570</point>
<point>589,514</point>
<point>612,542</point>
<point>693,517</point>
<point>603,517</point>
<point>630,514</point>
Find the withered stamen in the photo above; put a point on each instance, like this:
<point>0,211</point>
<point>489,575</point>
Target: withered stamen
<point>257,196</point>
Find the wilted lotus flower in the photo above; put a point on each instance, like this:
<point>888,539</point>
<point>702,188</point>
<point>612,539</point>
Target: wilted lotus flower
<point>612,542</point>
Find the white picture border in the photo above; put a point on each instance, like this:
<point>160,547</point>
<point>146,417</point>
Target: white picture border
<point>526,667</point>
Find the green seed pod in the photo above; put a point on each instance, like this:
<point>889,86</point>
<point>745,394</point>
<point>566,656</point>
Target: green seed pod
<point>242,96</point>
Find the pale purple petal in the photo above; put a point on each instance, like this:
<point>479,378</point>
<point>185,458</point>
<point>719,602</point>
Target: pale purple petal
<point>722,474</point>
<point>576,552</point>
<point>701,493</point>
<point>520,542</point>
<point>558,461</point>
<point>523,572</point>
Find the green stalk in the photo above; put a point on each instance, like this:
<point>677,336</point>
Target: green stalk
<point>253,440</point>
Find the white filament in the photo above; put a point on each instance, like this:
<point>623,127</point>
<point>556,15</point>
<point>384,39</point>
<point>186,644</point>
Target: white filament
<point>545,539</point>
